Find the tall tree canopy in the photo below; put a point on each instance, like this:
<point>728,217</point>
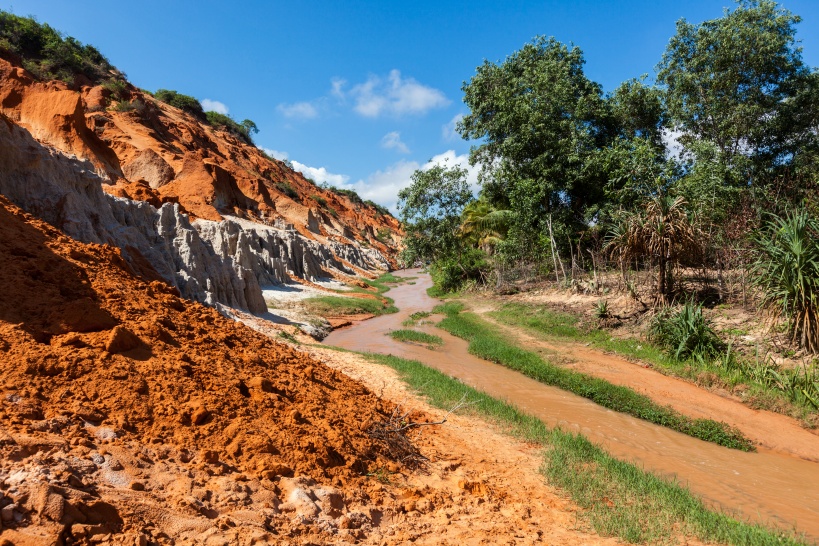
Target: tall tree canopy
<point>538,119</point>
<point>730,79</point>
<point>430,209</point>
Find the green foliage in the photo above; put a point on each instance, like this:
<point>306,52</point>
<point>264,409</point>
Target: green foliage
<point>287,190</point>
<point>485,342</point>
<point>755,378</point>
<point>601,309</point>
<point>449,273</point>
<point>352,195</point>
<point>686,333</point>
<point>413,336</point>
<point>183,102</point>
<point>384,235</point>
<point>787,272</point>
<point>319,199</point>
<point>484,226</point>
<point>118,89</point>
<point>240,130</point>
<point>47,54</point>
<point>539,122</point>
<point>336,305</point>
<point>383,211</point>
<point>430,209</point>
<point>662,232</point>
<point>728,79</point>
<point>135,105</point>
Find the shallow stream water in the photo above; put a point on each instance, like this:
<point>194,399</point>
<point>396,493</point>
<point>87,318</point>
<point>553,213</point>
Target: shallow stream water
<point>769,487</point>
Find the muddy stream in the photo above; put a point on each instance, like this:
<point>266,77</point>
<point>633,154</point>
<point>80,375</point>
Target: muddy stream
<point>767,486</point>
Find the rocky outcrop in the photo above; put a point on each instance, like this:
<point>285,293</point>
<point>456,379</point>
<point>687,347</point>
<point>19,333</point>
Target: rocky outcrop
<point>211,262</point>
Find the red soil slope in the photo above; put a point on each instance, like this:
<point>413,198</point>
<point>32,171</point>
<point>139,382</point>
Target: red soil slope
<point>158,153</point>
<point>120,403</point>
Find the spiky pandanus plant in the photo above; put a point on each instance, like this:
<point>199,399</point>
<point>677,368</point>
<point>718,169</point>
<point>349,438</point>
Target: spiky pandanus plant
<point>786,269</point>
<point>662,232</point>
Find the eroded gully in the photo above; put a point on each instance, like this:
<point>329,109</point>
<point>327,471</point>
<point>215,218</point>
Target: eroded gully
<point>768,486</point>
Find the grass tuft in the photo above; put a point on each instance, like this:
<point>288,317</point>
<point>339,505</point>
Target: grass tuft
<point>339,306</point>
<point>413,336</point>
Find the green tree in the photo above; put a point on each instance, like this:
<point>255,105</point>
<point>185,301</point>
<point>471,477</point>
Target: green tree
<point>430,209</point>
<point>729,79</point>
<point>538,120</point>
<point>483,226</point>
<point>662,232</point>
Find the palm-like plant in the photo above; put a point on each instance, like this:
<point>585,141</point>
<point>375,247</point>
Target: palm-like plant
<point>662,232</point>
<point>787,271</point>
<point>484,226</point>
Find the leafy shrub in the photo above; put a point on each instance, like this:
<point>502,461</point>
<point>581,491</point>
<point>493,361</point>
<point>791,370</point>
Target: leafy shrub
<point>118,89</point>
<point>183,102</point>
<point>240,130</point>
<point>686,333</point>
<point>450,273</point>
<point>384,235</point>
<point>319,199</point>
<point>135,105</point>
<point>350,194</point>
<point>287,189</point>
<point>48,55</point>
<point>787,271</point>
<point>383,211</point>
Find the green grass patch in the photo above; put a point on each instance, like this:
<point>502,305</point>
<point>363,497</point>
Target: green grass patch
<point>619,499</point>
<point>435,292</point>
<point>413,336</point>
<point>485,343</point>
<point>416,318</point>
<point>339,306</point>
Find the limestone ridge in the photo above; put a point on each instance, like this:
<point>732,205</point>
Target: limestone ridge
<point>210,262</point>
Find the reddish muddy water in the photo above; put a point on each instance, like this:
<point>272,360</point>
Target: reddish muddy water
<point>768,486</point>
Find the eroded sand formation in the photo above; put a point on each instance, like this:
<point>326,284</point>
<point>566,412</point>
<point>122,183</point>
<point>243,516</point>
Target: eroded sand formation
<point>204,210</point>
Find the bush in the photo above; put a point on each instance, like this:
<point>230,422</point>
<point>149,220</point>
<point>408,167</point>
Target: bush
<point>46,54</point>
<point>787,271</point>
<point>383,211</point>
<point>118,89</point>
<point>287,189</point>
<point>319,199</point>
<point>135,105</point>
<point>350,194</point>
<point>686,333</point>
<point>183,102</point>
<point>450,273</point>
<point>240,130</point>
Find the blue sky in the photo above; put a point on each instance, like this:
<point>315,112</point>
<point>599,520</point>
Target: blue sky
<point>361,93</point>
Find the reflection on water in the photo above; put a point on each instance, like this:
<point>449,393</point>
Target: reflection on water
<point>765,486</point>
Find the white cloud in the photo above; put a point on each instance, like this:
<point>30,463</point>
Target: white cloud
<point>393,95</point>
<point>392,141</point>
<point>450,159</point>
<point>673,146</point>
<point>383,186</point>
<point>298,110</point>
<point>448,131</point>
<point>337,87</point>
<point>321,175</point>
<point>276,154</point>
<point>213,106</point>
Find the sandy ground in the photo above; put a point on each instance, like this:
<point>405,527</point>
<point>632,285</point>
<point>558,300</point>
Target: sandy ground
<point>479,487</point>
